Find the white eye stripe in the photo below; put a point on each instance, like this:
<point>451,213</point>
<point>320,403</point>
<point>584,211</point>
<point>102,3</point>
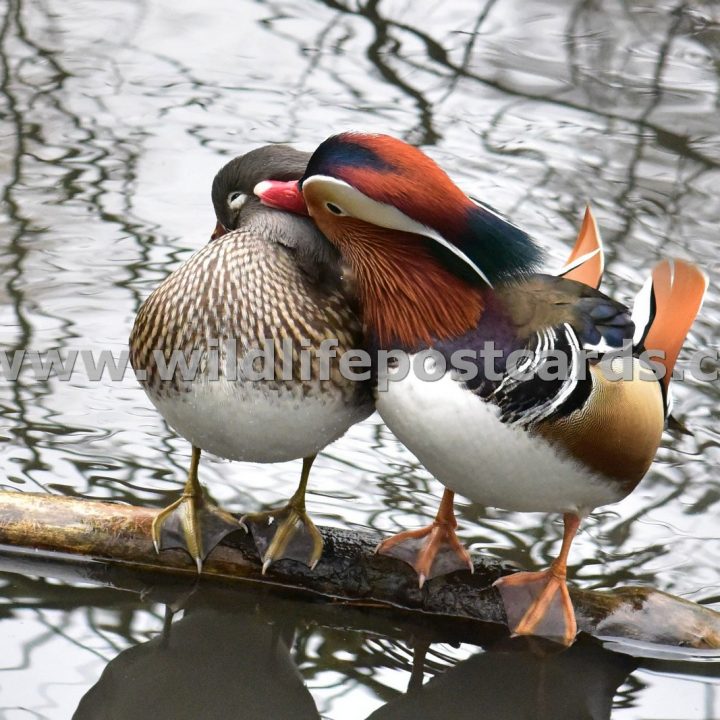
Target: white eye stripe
<point>356,204</point>
<point>236,200</point>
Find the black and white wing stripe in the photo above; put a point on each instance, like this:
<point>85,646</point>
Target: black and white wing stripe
<point>551,378</point>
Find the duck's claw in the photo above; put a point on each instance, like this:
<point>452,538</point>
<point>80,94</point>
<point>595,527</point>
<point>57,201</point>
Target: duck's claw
<point>193,524</point>
<point>287,533</point>
<point>538,603</point>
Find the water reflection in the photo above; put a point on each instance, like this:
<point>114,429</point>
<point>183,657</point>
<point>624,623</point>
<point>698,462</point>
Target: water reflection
<point>228,658</point>
<point>254,655</point>
<point>215,662</point>
<point>114,122</point>
<point>519,684</point>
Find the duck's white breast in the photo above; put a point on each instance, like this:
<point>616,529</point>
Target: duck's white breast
<point>257,421</point>
<point>462,441</point>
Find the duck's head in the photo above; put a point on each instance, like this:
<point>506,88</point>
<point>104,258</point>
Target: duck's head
<point>236,207</point>
<point>359,186</point>
<point>232,188</point>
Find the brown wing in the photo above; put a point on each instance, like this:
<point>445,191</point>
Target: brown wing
<point>546,301</point>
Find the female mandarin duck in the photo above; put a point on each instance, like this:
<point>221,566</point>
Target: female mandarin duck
<point>266,275</point>
<point>438,271</point>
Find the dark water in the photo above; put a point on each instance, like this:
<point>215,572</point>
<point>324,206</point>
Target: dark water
<point>115,117</point>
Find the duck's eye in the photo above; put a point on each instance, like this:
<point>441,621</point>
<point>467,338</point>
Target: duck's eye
<point>334,209</point>
<point>236,200</point>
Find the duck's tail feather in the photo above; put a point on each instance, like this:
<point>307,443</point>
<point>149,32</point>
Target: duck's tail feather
<point>665,309</point>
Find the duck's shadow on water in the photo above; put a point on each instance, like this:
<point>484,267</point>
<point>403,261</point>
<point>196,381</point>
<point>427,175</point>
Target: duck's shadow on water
<point>224,657</point>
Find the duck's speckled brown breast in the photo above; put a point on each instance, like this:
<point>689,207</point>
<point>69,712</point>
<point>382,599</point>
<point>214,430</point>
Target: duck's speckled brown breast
<point>245,288</point>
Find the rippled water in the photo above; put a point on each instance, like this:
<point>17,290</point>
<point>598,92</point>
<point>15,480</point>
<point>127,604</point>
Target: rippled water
<point>115,117</point>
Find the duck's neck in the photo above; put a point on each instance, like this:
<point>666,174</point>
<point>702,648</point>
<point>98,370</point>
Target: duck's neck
<point>408,298</point>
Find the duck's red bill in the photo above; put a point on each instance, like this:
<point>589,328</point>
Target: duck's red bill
<point>282,195</point>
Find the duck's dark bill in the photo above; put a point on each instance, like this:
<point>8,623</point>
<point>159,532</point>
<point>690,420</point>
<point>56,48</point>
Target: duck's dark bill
<point>219,231</point>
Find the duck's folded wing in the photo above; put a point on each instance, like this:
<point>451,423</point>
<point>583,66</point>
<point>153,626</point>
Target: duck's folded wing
<point>548,331</point>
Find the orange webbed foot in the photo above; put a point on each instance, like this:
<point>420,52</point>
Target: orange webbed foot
<point>538,603</point>
<point>433,550</point>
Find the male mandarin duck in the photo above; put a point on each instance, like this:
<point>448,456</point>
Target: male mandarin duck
<point>437,271</point>
<point>265,275</point>
<point>435,550</point>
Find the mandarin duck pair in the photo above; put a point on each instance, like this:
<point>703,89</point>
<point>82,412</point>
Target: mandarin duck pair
<point>404,261</point>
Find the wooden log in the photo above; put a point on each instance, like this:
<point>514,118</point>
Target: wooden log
<point>349,572</point>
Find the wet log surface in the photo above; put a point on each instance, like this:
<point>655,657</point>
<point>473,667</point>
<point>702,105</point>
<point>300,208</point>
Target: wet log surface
<point>82,530</point>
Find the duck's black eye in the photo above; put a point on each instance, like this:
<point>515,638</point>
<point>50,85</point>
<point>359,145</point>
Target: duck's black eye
<point>334,209</point>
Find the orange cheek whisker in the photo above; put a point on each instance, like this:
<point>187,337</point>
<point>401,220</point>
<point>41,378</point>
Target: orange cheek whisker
<point>407,297</point>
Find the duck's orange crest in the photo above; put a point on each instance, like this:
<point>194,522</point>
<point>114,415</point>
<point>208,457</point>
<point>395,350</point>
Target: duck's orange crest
<point>412,182</point>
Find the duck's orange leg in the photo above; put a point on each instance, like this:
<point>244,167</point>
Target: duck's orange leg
<point>433,550</point>
<point>538,603</point>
